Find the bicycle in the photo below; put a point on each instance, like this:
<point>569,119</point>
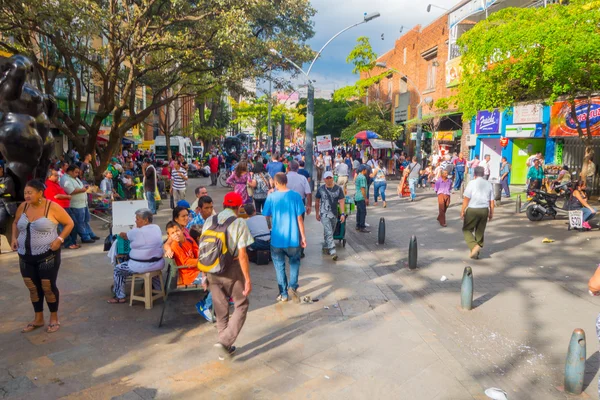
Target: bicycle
<point>223,176</point>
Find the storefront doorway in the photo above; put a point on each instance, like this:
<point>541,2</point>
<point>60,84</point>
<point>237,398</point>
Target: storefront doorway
<point>522,150</point>
<point>494,149</point>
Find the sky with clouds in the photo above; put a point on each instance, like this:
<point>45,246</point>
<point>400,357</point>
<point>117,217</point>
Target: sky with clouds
<point>331,70</point>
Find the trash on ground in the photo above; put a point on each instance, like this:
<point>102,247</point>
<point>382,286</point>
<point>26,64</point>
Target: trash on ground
<point>443,278</point>
<point>541,266</point>
<point>496,394</point>
<point>335,306</point>
<point>327,308</point>
<point>547,240</point>
<point>327,377</point>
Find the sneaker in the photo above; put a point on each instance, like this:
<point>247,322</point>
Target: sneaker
<point>586,225</point>
<point>282,299</point>
<point>334,256</point>
<point>205,312</point>
<point>367,225</point>
<point>364,230</point>
<point>224,351</point>
<point>294,295</point>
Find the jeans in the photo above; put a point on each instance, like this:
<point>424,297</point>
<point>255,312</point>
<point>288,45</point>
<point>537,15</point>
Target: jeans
<point>329,224</point>
<point>361,214</point>
<point>369,182</point>
<point>587,214</point>
<point>278,255</point>
<point>412,184</point>
<point>258,204</point>
<point>151,202</point>
<point>422,180</point>
<point>81,218</point>
<point>68,238</point>
<point>460,177</point>
<point>380,189</point>
<point>504,183</point>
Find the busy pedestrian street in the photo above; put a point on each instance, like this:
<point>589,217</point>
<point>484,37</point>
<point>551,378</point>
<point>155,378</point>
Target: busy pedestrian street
<point>374,326</point>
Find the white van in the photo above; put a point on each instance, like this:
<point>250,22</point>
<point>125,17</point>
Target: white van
<point>179,144</point>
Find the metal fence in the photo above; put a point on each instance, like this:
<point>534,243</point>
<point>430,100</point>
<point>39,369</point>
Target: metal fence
<point>573,152</point>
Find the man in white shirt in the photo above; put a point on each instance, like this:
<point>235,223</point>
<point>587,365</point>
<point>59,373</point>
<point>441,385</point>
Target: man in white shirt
<point>477,209</point>
<point>531,159</point>
<point>485,164</point>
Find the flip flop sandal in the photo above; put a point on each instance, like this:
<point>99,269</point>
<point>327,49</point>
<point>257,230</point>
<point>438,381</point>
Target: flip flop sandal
<point>53,327</point>
<point>74,247</point>
<point>31,327</point>
<point>115,300</point>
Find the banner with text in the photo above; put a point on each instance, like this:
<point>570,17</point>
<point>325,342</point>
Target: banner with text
<point>324,143</point>
<point>562,123</point>
<point>488,122</point>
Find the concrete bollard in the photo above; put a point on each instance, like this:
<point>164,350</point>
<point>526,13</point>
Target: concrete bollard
<point>466,289</point>
<point>412,253</point>
<point>381,234</point>
<point>518,204</point>
<point>575,364</point>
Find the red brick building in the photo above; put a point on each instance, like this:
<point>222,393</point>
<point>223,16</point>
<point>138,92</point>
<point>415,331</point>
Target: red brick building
<point>421,55</point>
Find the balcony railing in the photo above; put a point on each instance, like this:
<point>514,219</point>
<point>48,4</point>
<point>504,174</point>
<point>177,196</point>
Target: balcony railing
<point>453,51</point>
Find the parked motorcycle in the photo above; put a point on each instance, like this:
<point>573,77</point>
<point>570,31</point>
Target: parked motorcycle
<point>540,203</point>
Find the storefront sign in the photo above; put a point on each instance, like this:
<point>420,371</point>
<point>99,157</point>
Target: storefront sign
<point>324,143</point>
<point>488,122</point>
<point>444,135</point>
<point>562,123</point>
<point>401,110</point>
<point>453,72</point>
<point>524,131</point>
<point>528,114</point>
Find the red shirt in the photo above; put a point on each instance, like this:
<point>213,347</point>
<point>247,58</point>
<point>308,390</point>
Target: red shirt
<point>52,189</point>
<point>214,165</point>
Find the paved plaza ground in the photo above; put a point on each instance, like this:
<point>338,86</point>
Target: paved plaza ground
<point>378,330</point>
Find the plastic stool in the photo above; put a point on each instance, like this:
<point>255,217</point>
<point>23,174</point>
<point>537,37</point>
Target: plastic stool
<point>150,294</point>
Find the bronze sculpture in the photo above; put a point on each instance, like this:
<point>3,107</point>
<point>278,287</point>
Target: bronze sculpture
<point>26,143</point>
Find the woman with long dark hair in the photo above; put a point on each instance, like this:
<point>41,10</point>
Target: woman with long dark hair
<point>36,239</point>
<point>239,180</point>
<point>262,184</point>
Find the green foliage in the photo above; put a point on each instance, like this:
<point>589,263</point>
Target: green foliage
<point>113,49</point>
<point>329,116</point>
<point>531,54</point>
<point>374,117</point>
<point>362,56</point>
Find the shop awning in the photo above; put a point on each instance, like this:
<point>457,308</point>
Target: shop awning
<point>382,144</point>
<point>127,141</point>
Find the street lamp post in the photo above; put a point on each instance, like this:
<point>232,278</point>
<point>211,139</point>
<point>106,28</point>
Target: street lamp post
<point>405,78</point>
<point>311,92</point>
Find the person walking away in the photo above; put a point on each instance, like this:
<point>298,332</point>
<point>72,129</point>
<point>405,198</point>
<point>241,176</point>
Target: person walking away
<point>8,194</point>
<point>328,197</point>
<point>303,171</point>
<point>233,280</point>
<point>149,183</point>
<point>486,166</point>
<point>460,166</point>
<point>443,188</point>
<point>299,184</point>
<point>414,173</point>
<point>320,166</point>
<point>579,201</point>
<point>275,166</point>
<point>262,184</point>
<point>477,209</point>
<point>380,183</point>
<point>504,171</point>
<point>285,208</point>
<point>178,182</point>
<point>342,172</point>
<point>78,211</point>
<point>55,193</point>
<point>36,240</point>
<point>213,163</point>
<point>535,175</point>
<point>360,199</point>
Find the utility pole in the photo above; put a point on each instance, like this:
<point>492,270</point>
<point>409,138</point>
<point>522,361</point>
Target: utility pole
<point>269,116</point>
<point>282,145</point>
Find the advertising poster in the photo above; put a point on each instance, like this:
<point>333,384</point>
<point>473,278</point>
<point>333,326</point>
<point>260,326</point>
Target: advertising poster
<point>527,114</point>
<point>324,143</point>
<point>488,122</point>
<point>562,123</point>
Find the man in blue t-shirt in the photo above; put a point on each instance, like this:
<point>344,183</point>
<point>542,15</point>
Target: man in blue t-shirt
<point>285,208</point>
<point>275,166</point>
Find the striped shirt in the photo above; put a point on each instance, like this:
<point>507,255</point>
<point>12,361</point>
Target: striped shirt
<point>178,181</point>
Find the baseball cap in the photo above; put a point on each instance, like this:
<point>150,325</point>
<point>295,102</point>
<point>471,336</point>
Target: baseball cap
<point>233,199</point>
<point>183,203</point>
<point>328,174</point>
<point>128,173</point>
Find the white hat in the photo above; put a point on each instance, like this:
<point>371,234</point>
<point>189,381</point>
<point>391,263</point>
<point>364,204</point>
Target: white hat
<point>328,174</point>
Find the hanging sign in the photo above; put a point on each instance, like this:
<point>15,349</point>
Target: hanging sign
<point>488,122</point>
<point>562,123</point>
<point>528,114</point>
<point>324,143</point>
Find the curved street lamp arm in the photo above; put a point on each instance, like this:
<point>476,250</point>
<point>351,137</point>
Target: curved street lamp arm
<point>329,41</point>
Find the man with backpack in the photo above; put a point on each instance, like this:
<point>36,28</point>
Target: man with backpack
<point>226,262</point>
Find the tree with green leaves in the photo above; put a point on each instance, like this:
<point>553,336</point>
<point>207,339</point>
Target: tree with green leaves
<point>532,55</point>
<point>375,117</point>
<point>330,116</point>
<point>115,52</point>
